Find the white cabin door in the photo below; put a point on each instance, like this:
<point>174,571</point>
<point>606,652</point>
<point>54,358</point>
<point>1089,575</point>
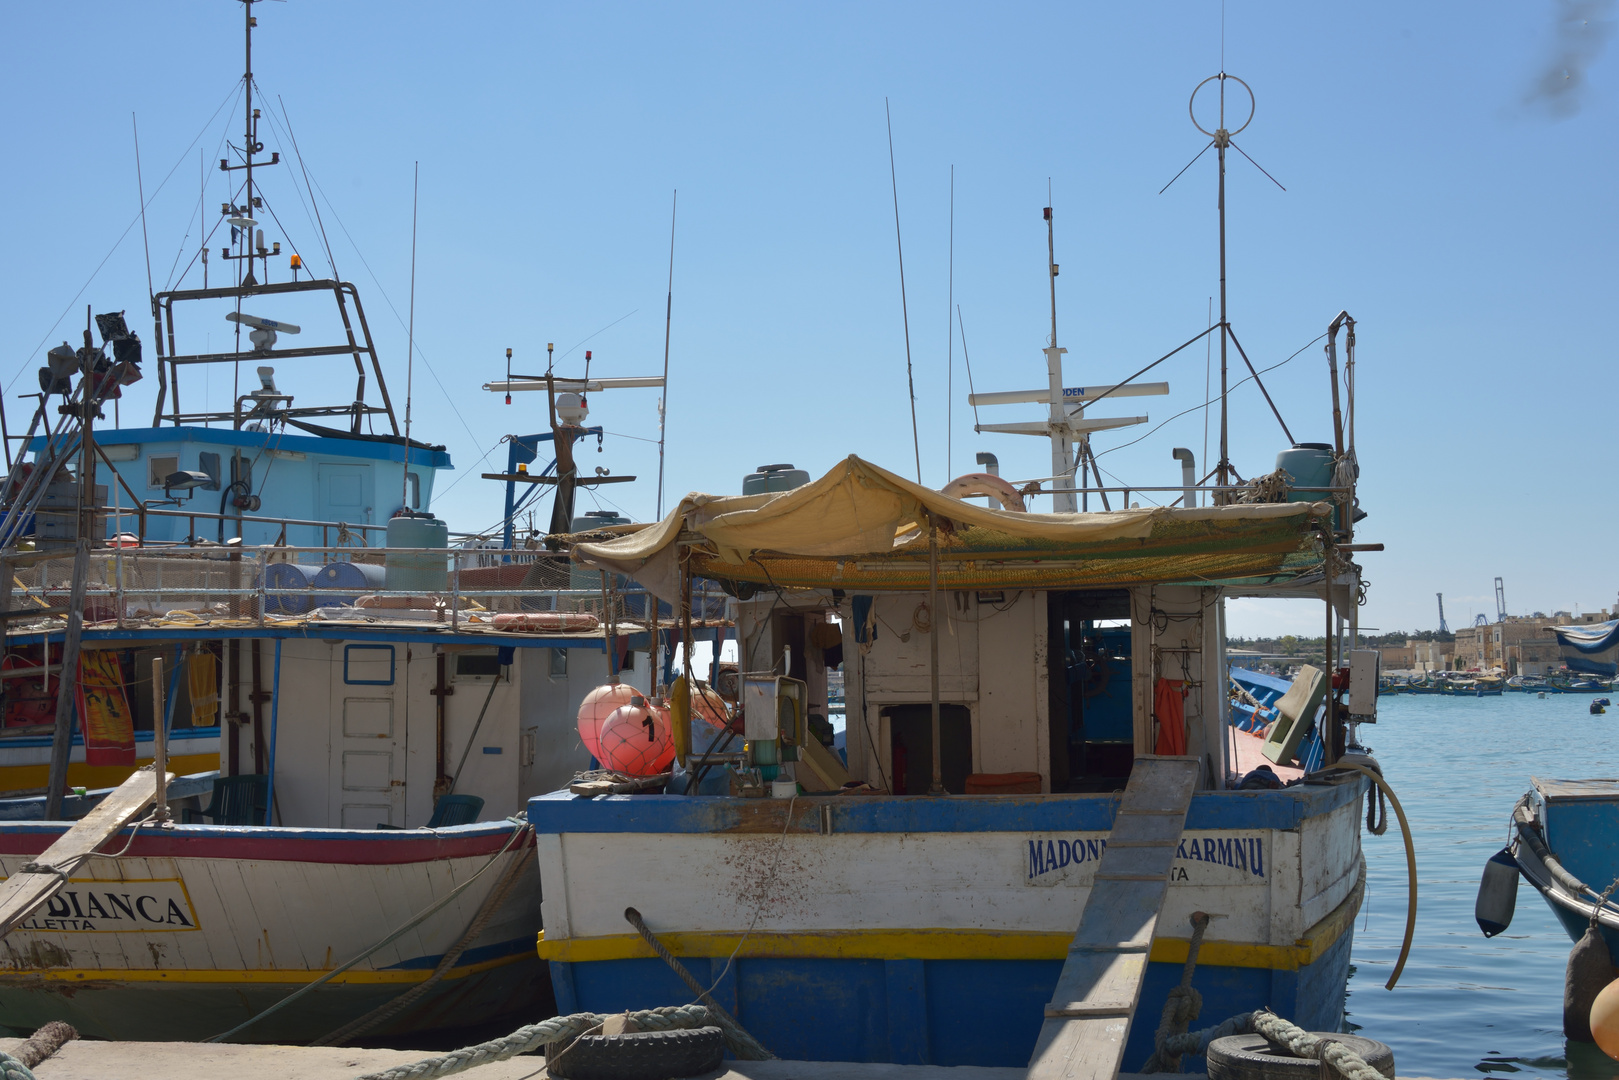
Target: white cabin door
<point>368,740</point>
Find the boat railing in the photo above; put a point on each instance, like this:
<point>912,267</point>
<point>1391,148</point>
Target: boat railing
<point>270,585</point>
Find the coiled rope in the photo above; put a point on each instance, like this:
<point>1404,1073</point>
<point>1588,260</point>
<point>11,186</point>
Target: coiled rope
<point>533,1036</point>
<point>1298,1042</point>
<point>12,1069</point>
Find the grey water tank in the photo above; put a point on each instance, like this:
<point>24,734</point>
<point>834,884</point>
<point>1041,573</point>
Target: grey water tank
<point>772,478</point>
<point>598,519</point>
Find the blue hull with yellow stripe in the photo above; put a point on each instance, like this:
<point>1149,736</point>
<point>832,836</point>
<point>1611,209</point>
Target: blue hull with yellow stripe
<point>921,931</point>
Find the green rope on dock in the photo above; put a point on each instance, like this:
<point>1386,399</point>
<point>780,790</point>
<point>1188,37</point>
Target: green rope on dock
<point>533,1036</point>
<point>12,1069</point>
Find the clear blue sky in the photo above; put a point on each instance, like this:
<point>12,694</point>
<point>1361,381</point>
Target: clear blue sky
<point>1467,223</point>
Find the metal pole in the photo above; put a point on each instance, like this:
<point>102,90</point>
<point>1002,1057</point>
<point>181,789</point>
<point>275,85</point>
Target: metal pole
<point>275,705</point>
<point>160,743</point>
<point>668,322</point>
<point>67,685</point>
<point>1225,447</point>
<point>937,787</point>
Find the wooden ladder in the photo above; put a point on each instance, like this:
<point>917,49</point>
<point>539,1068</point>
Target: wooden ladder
<point>25,890</point>
<point>1088,1018</point>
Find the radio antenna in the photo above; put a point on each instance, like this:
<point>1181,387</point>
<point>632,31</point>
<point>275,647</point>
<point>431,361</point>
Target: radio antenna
<point>668,318</point>
<point>910,381</point>
<point>410,339</point>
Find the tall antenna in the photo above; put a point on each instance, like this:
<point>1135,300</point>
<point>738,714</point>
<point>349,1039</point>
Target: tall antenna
<point>1062,449</point>
<point>410,339</point>
<point>1220,138</point>
<point>910,381</point>
<point>668,319</point>
<point>950,338</point>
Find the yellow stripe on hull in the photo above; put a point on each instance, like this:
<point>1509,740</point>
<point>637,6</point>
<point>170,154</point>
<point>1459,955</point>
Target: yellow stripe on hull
<point>34,777</point>
<point>249,976</point>
<point>953,945</point>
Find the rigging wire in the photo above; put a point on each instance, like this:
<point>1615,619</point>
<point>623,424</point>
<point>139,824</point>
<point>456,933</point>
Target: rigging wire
<point>330,258</point>
<point>910,381</point>
<point>116,244</point>
<point>968,361</point>
<point>1206,404</point>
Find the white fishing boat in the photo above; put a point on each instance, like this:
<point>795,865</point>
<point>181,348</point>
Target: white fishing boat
<point>360,710</point>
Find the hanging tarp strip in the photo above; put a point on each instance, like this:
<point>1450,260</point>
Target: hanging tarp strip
<point>1591,638</point>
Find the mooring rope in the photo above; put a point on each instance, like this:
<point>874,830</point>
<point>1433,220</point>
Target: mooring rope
<point>1300,1043</point>
<point>533,1036</point>
<point>1180,1007</point>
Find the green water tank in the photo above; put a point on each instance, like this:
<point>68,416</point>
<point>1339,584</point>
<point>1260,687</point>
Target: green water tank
<point>772,478</point>
<point>1310,465</point>
<point>422,571</point>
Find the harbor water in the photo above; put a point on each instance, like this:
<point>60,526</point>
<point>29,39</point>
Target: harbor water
<point>1464,1003</point>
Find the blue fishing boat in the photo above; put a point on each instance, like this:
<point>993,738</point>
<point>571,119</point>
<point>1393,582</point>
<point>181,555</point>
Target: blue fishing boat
<point>1022,690</point>
<point>1565,843</point>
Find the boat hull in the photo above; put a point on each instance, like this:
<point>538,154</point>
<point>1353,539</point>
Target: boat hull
<point>911,930</point>
<point>200,928</point>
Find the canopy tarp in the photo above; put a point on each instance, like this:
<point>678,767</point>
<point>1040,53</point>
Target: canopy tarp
<point>860,528</point>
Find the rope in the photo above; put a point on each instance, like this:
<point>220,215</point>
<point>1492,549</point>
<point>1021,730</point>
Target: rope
<point>531,1037</point>
<point>1377,811</point>
<point>1180,1007</point>
<point>745,1046</point>
<point>1301,1044</point>
<point>420,917</point>
<point>491,904</point>
<point>1197,1042</point>
<point>1410,864</point>
<point>12,1069</point>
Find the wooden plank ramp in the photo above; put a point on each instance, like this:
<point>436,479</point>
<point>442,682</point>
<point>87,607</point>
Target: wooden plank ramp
<point>1088,1018</point>
<point>24,891</point>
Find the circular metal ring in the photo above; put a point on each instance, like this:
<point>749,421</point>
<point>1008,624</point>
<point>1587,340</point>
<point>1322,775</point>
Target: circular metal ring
<point>1193,100</point>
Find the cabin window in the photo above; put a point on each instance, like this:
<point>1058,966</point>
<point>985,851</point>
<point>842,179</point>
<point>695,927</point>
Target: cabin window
<point>209,463</point>
<point>414,482</point>
<point>368,665</point>
<point>159,469</point>
<point>477,664</point>
<point>559,663</point>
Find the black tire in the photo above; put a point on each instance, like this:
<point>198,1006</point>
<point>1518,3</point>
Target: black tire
<point>639,1055</point>
<point>1253,1057</point>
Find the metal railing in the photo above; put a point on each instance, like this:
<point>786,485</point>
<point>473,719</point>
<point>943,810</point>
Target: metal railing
<point>240,583</point>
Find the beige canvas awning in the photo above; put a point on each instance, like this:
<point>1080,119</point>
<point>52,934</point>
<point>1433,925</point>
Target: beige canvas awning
<point>860,528</point>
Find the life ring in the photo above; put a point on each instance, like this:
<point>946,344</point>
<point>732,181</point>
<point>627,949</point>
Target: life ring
<point>566,622</point>
<point>987,485</point>
<point>407,603</point>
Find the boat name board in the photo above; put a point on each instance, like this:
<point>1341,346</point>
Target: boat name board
<point>110,907</point>
<point>1214,859</point>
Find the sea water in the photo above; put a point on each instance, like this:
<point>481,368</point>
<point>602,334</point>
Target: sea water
<point>1466,1004</point>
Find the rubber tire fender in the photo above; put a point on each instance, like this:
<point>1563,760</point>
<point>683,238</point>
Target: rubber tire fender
<point>1254,1057</point>
<point>638,1055</point>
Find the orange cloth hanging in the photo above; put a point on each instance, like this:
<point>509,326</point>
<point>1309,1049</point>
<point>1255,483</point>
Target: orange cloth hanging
<point>1169,707</point>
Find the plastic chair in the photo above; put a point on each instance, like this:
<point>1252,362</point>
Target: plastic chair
<point>455,810</point>
<point>237,800</point>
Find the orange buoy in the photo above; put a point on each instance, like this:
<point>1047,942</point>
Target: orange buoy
<point>637,740</point>
<point>1605,1020</point>
<point>598,705</point>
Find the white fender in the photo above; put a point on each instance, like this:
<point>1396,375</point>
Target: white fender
<point>987,485</point>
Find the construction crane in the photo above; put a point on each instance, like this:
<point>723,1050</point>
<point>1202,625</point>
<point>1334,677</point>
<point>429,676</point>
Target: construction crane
<point>1444,628</point>
<point>1500,601</point>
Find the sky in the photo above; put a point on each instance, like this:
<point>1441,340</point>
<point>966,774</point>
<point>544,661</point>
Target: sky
<point>1448,172</point>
